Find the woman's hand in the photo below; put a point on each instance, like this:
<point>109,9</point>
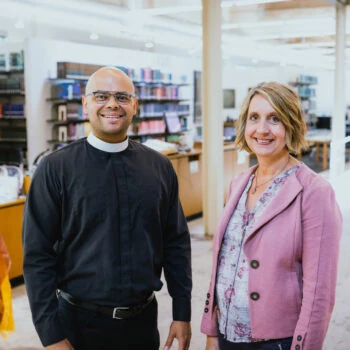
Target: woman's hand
<point>212,343</point>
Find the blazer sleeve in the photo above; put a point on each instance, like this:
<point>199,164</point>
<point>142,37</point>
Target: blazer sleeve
<point>209,317</point>
<point>322,226</point>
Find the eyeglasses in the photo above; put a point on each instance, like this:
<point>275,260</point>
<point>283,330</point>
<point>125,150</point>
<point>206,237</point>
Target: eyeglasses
<point>102,97</point>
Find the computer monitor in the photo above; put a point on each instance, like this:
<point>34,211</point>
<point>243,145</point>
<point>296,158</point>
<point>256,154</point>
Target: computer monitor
<point>229,98</point>
<point>172,121</point>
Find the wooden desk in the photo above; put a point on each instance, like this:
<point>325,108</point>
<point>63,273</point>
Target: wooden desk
<point>11,229</point>
<point>321,138</point>
<point>188,168</point>
<point>232,167</point>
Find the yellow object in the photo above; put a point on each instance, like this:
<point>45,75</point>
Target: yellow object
<point>26,183</point>
<point>11,231</point>
<point>6,314</point>
<point>7,323</point>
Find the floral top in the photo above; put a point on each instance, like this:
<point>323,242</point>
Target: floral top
<point>233,269</point>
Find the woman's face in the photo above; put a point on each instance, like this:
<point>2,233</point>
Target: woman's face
<point>264,132</point>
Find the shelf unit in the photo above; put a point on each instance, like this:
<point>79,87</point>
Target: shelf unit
<point>13,131</point>
<point>155,97</point>
<point>304,85</point>
<point>67,121</point>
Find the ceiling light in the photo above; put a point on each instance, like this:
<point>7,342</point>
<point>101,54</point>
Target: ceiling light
<point>241,67</point>
<point>156,11</point>
<point>149,45</point>
<point>94,36</point>
<point>274,23</point>
<point>248,2</point>
<point>251,24</point>
<point>319,33</point>
<point>19,24</point>
<point>163,10</point>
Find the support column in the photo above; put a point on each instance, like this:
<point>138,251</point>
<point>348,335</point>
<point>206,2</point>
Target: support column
<point>337,161</point>
<point>213,194</point>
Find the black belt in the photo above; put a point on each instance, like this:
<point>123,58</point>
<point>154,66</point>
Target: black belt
<point>119,312</point>
<point>274,340</point>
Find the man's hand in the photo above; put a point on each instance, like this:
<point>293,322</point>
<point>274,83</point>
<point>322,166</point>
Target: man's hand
<point>182,332</point>
<point>61,345</point>
<point>212,343</point>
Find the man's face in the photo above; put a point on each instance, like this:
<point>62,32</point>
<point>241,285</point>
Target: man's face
<point>109,118</point>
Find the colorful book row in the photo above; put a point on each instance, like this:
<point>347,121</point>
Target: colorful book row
<point>12,84</point>
<point>11,110</point>
<point>156,109</point>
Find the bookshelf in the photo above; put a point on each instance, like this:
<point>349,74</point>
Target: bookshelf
<point>156,99</point>
<point>67,122</point>
<point>305,87</point>
<point>13,131</point>
<point>157,95</point>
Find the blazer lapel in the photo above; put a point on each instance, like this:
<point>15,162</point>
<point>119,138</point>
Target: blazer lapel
<point>284,197</point>
<point>237,190</point>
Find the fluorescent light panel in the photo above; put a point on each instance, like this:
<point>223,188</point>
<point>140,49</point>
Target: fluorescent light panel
<point>275,23</point>
<point>248,2</point>
<point>170,10</point>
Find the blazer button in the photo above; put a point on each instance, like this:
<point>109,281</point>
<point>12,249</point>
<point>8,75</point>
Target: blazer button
<point>299,337</point>
<point>297,347</point>
<point>207,302</point>
<point>208,295</point>
<point>254,296</point>
<point>206,310</point>
<point>254,264</point>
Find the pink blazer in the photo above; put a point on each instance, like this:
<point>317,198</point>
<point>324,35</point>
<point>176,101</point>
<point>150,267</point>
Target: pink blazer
<point>296,244</point>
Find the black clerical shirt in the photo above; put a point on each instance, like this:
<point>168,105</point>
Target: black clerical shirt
<point>101,226</point>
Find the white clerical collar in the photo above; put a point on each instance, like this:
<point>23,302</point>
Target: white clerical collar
<point>105,146</point>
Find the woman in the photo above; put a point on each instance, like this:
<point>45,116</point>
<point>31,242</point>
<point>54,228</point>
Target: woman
<point>276,247</point>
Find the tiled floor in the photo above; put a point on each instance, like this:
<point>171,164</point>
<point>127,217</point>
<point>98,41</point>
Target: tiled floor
<point>338,337</point>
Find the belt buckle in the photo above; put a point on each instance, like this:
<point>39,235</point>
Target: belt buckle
<point>116,309</point>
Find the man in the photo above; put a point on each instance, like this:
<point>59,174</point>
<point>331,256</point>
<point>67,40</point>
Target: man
<point>101,220</point>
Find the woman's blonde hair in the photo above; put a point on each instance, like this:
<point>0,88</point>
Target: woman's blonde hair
<point>287,105</point>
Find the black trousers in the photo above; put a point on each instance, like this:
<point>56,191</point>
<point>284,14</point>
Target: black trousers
<point>281,344</point>
<point>89,331</point>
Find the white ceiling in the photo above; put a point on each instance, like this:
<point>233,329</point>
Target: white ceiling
<point>255,32</point>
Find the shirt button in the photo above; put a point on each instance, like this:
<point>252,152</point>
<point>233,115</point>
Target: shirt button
<point>254,296</point>
<point>254,264</point>
<point>206,310</point>
<point>297,347</point>
<point>208,295</point>
<point>206,302</point>
<point>299,337</point>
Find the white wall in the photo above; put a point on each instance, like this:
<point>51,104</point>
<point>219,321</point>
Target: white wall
<point>242,79</point>
<point>325,91</point>
<point>41,57</point>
